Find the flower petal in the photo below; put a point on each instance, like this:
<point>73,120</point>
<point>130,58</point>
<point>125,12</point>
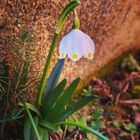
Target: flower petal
<point>88,47</point>
<point>75,46</point>
<point>63,48</point>
<point>75,54</point>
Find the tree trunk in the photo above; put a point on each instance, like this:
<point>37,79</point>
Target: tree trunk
<point>114,25</point>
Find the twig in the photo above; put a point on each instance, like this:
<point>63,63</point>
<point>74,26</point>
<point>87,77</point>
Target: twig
<point>133,101</point>
<point>30,84</point>
<point>21,69</point>
<point>117,98</point>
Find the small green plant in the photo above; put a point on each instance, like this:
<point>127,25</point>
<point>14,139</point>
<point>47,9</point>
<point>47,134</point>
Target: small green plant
<point>14,76</point>
<point>14,81</point>
<point>97,123</point>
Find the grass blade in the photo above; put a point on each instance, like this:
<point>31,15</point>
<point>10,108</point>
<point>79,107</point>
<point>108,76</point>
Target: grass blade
<point>44,135</point>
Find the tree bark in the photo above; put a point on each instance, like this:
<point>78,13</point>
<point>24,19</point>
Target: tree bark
<point>114,25</point>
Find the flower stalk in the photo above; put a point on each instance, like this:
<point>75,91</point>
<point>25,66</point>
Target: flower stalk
<point>76,22</point>
<point>70,7</point>
<point>46,69</point>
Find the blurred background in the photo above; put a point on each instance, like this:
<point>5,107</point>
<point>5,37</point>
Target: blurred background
<point>114,73</point>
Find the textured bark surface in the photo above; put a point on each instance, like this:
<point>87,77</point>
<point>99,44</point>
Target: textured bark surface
<point>114,25</point>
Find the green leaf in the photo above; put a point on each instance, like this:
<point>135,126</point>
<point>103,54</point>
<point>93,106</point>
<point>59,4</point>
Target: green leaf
<point>48,125</point>
<point>130,127</point>
<point>32,107</point>
<point>33,134</point>
<point>98,124</point>
<point>30,118</point>
<point>44,135</point>
<point>97,113</point>
<point>27,128</point>
<point>52,97</point>
<point>94,132</point>
<point>53,79</point>
<point>74,107</point>
<point>116,124</point>
<point>63,100</point>
<point>70,7</point>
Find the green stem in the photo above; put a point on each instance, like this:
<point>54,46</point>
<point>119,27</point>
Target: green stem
<point>46,69</point>
<point>85,128</point>
<point>76,22</point>
<point>63,16</point>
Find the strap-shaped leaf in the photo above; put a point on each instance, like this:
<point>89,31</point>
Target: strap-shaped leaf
<point>52,98</point>
<point>63,100</point>
<point>32,107</point>
<point>27,128</point>
<point>53,79</point>
<point>30,118</point>
<point>94,132</point>
<point>33,133</point>
<point>48,125</point>
<point>74,107</point>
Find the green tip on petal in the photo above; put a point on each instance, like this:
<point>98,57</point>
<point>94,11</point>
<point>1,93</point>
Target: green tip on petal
<point>90,55</point>
<point>62,55</point>
<point>74,56</point>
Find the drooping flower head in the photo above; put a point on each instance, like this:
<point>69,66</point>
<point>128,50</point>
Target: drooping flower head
<point>76,44</point>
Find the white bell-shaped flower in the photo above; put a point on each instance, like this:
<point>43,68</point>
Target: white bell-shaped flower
<point>76,44</point>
